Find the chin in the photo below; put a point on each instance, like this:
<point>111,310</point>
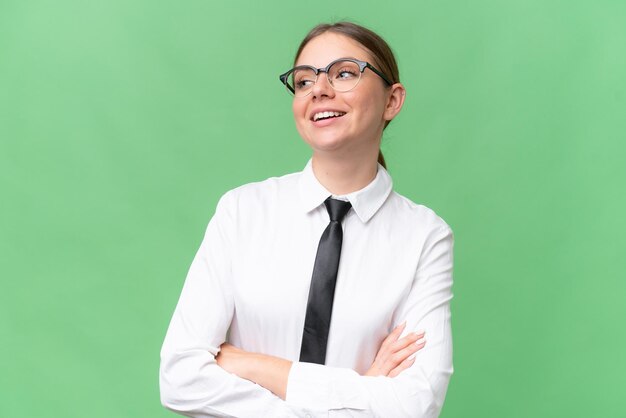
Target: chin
<point>327,142</point>
<point>328,135</point>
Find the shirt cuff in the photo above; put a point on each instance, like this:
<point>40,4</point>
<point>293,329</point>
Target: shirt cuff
<point>322,387</point>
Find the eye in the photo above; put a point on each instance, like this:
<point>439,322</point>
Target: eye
<point>346,73</point>
<point>303,83</point>
<point>303,79</point>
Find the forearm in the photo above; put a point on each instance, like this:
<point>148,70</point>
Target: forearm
<point>416,392</point>
<point>191,381</point>
<point>211,392</point>
<point>321,387</point>
<point>268,371</point>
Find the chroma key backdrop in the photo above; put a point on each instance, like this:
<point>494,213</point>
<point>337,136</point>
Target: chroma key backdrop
<point>123,122</point>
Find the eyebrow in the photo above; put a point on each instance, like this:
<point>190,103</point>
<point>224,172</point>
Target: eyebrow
<point>336,59</point>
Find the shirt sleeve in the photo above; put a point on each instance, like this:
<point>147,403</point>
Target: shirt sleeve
<point>416,392</point>
<point>191,382</point>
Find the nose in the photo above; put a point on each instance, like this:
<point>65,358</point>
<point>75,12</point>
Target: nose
<point>322,86</point>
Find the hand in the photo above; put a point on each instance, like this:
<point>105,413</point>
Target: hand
<point>395,353</point>
<point>232,359</point>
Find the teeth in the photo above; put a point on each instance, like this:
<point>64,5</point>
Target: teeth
<point>324,115</point>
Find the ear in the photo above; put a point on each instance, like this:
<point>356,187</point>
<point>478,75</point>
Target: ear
<point>395,101</point>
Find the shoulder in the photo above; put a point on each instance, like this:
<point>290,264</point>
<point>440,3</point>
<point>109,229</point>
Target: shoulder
<point>411,213</point>
<point>420,229</point>
<point>259,194</point>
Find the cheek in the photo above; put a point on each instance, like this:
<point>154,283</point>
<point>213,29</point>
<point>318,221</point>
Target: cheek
<point>369,102</point>
<point>371,110</point>
<point>298,107</point>
<point>299,110</point>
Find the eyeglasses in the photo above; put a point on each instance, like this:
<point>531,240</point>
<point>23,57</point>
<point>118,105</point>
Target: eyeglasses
<point>343,75</point>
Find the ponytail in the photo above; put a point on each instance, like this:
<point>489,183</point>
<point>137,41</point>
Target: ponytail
<point>381,159</point>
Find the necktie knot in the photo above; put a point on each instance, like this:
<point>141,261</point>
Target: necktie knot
<point>337,209</point>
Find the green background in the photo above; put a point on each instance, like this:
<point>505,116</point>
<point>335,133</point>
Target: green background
<point>122,122</point>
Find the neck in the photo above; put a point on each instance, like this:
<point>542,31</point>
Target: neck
<point>341,175</point>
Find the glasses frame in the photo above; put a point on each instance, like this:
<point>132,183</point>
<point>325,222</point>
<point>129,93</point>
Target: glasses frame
<point>362,66</point>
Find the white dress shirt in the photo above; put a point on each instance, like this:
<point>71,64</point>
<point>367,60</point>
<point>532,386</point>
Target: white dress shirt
<point>249,284</point>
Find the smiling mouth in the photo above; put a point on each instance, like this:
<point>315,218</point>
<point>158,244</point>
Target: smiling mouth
<point>327,115</point>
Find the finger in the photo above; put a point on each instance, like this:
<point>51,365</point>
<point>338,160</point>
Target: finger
<point>394,360</point>
<point>393,336</point>
<point>407,357</point>
<point>402,366</point>
<point>406,352</point>
<point>390,357</point>
<point>383,363</point>
<point>396,332</point>
<point>406,340</point>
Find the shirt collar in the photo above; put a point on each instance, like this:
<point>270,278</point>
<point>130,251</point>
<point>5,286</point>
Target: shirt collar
<point>365,202</point>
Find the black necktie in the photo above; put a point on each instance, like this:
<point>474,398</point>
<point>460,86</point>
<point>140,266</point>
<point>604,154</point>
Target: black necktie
<point>322,291</point>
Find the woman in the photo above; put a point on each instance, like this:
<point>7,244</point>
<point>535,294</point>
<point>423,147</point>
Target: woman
<point>237,342</point>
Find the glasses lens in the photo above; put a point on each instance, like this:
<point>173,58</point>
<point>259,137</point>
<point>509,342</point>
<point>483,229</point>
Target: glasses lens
<point>344,75</point>
<point>301,81</point>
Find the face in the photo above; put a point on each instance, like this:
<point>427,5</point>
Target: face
<point>359,114</point>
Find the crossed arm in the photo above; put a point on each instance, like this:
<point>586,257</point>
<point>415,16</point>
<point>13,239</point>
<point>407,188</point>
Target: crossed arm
<point>199,381</point>
<point>394,356</point>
